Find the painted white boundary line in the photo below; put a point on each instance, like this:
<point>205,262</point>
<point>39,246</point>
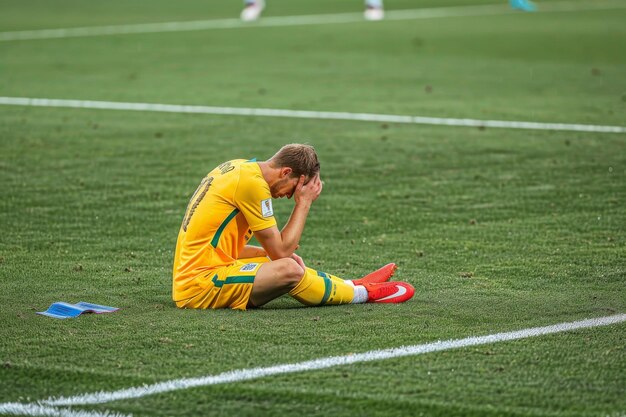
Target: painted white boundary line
<point>303,114</point>
<point>19,409</point>
<point>254,373</point>
<point>49,407</point>
<point>411,14</point>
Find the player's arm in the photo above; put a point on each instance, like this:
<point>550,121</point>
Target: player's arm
<point>272,241</point>
<point>282,244</point>
<point>250,251</point>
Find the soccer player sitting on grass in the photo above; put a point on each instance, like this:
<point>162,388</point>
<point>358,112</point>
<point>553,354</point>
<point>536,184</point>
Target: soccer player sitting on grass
<point>214,267</point>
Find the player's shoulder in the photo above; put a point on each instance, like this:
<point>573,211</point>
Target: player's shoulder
<point>250,170</point>
<point>251,180</point>
<point>228,166</point>
<point>239,174</point>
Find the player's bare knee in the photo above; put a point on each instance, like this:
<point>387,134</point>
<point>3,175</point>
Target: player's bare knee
<point>292,272</point>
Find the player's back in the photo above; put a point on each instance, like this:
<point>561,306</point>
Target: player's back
<point>215,227</point>
<point>205,239</point>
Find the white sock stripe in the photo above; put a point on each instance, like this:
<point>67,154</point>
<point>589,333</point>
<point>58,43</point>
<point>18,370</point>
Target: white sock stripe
<point>413,14</point>
<point>254,373</point>
<point>304,114</point>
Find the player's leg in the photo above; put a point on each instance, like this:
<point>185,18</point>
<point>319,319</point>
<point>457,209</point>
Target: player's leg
<point>315,288</point>
<point>274,279</point>
<point>308,286</point>
<point>252,10</point>
<point>319,288</point>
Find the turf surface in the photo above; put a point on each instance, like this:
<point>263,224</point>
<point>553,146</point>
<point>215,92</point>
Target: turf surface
<point>498,229</point>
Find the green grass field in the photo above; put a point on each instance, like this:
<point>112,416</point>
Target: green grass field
<point>497,229</point>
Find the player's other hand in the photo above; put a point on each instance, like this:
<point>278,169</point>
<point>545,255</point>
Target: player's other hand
<point>299,260</point>
<point>308,191</point>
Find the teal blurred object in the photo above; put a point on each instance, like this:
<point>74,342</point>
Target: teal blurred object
<point>524,5</point>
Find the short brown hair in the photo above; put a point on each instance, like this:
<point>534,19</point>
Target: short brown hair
<point>302,159</point>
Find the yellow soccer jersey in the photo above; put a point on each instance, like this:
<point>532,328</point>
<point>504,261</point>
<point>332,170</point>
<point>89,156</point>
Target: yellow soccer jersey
<point>231,202</point>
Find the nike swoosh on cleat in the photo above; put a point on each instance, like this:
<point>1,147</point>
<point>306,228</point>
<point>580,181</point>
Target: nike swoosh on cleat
<point>399,292</point>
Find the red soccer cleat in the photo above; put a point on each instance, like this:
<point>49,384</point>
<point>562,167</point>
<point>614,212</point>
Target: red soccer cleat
<point>389,292</point>
<point>380,275</point>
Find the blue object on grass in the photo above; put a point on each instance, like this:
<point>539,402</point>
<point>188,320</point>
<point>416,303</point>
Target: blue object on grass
<point>524,5</point>
<point>62,310</point>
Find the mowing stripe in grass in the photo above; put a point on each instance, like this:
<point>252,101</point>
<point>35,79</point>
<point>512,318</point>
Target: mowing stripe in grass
<point>411,14</point>
<point>304,114</point>
<point>323,363</point>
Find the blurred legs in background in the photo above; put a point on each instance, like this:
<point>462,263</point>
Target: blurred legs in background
<point>253,8</point>
<point>374,10</point>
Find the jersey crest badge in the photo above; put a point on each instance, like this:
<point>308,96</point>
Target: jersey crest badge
<point>266,208</point>
<point>248,267</point>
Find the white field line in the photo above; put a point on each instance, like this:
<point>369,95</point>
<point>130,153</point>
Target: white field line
<point>303,114</point>
<point>19,409</point>
<point>323,363</point>
<point>51,406</point>
<point>411,14</point>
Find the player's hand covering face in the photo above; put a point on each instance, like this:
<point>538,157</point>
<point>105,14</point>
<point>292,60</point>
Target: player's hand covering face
<point>308,191</point>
